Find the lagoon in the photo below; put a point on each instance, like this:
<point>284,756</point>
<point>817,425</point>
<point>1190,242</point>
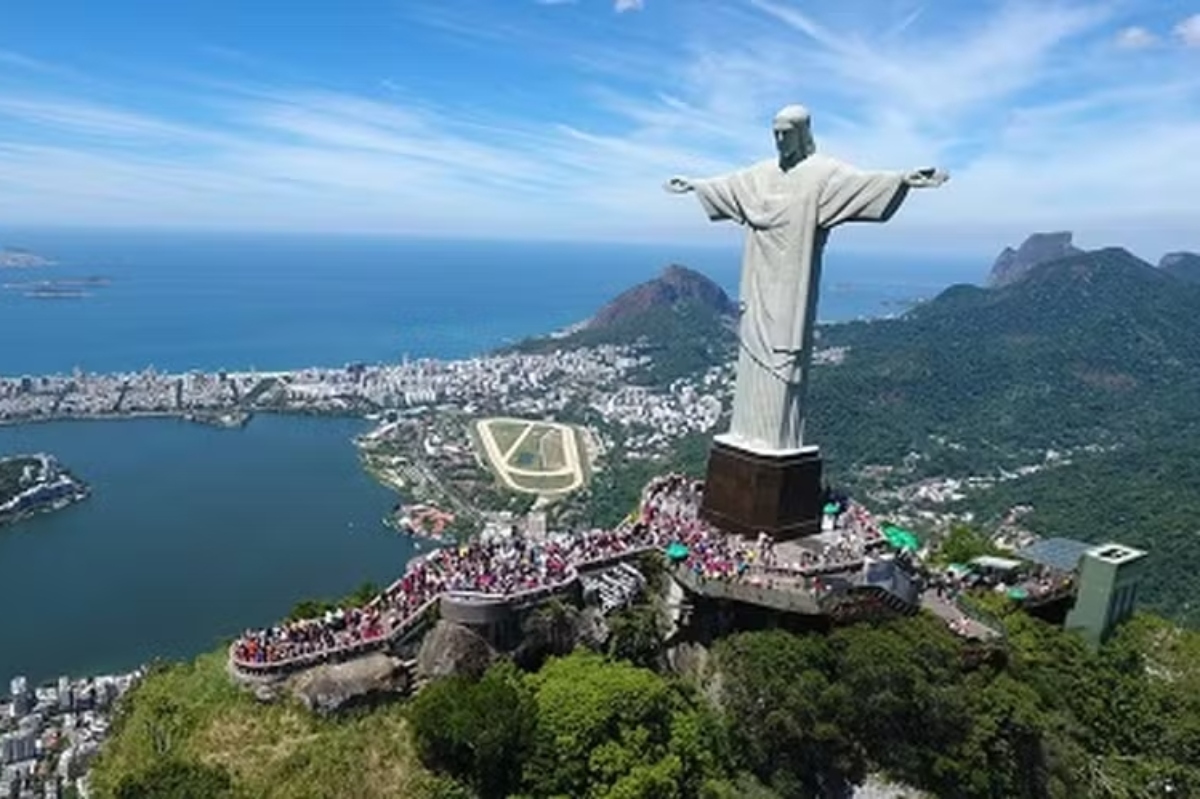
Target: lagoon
<point>191,534</point>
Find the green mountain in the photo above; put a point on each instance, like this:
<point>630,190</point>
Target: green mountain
<point>1097,348</point>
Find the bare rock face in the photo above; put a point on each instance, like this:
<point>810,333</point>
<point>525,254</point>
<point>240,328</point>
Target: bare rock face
<point>591,630</point>
<point>451,649</point>
<point>1040,248</point>
<point>325,690</point>
<point>266,693</point>
<point>878,786</point>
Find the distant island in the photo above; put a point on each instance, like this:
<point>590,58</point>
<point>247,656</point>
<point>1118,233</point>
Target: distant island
<point>20,258</point>
<point>59,288</point>
<point>32,484</point>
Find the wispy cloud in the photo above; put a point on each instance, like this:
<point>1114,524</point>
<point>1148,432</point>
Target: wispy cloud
<point>1135,37</point>
<point>1043,123</point>
<point>1188,31</point>
<point>80,116</point>
<point>11,61</point>
<point>9,58</point>
<point>621,6</point>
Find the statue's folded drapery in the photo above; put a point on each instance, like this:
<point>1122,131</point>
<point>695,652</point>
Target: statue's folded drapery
<point>788,215</point>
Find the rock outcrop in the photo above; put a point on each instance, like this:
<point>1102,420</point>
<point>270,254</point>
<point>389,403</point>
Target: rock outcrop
<point>327,689</point>
<point>1040,248</point>
<point>556,629</point>
<point>451,649</point>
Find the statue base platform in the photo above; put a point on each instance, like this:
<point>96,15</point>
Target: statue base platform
<point>750,492</point>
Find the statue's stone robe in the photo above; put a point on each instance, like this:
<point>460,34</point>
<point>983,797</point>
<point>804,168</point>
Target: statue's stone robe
<point>788,216</point>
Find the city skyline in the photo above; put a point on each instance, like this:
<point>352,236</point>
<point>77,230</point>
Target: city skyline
<point>554,119</point>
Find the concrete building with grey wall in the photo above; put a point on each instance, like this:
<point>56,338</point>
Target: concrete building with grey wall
<point>1109,580</point>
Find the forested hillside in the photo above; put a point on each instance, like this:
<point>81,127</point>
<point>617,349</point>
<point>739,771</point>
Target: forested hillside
<point>771,715</point>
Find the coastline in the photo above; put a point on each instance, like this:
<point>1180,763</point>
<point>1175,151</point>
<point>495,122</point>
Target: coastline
<point>180,415</point>
<point>49,507</point>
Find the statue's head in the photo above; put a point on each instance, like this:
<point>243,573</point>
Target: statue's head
<point>793,134</point>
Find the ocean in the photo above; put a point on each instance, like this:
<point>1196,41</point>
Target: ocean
<point>197,301</point>
<point>194,533</point>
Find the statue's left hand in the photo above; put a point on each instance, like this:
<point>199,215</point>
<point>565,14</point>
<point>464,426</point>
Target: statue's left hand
<point>928,178</point>
<point>678,185</point>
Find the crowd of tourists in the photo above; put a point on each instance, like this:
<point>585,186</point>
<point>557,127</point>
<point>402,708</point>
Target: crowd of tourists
<point>338,630</point>
<point>499,567</point>
<point>669,515</point>
<point>671,509</point>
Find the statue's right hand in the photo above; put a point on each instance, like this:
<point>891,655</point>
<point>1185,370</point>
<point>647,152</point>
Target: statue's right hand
<point>678,185</point>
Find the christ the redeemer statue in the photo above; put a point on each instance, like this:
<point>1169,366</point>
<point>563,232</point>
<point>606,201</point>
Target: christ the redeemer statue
<point>788,206</point>
<point>763,476</point>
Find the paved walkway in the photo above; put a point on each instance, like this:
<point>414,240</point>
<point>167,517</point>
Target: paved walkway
<point>955,619</point>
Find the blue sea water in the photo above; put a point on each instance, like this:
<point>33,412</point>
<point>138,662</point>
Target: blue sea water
<point>194,533</point>
<point>203,301</point>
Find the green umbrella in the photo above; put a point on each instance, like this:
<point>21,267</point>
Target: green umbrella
<point>901,538</point>
<point>677,551</point>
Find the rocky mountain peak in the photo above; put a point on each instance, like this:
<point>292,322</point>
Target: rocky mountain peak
<point>675,285</point>
<point>1039,248</point>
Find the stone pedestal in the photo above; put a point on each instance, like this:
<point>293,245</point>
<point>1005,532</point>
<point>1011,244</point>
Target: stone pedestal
<point>748,492</point>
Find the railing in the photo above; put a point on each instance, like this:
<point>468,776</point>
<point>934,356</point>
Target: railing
<point>788,599</point>
<point>608,560</point>
<point>337,653</point>
<point>738,589</point>
<point>509,600</point>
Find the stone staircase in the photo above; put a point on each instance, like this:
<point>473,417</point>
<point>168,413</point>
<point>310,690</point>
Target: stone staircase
<point>848,602</point>
<point>613,588</point>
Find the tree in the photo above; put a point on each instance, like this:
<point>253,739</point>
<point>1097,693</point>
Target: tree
<point>478,732</point>
<point>603,727</point>
<point>963,544</point>
<point>636,636</point>
<point>783,710</point>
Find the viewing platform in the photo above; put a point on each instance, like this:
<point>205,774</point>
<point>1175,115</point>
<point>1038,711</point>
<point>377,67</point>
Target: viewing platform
<point>844,573</point>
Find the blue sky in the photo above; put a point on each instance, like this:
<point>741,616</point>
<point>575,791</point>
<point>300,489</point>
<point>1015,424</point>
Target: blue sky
<point>528,119</point>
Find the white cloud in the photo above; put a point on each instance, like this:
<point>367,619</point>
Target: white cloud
<point>89,118</point>
<point>1039,130</point>
<point>621,6</point>
<point>1135,38</point>
<point>1189,31</point>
